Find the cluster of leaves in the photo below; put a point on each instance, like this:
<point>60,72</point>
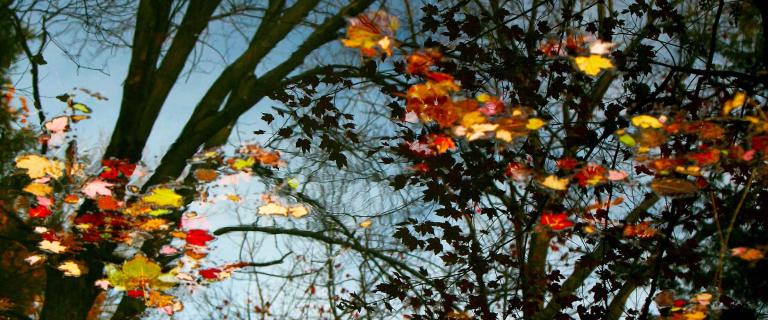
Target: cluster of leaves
<point>72,211</point>
<point>471,149</point>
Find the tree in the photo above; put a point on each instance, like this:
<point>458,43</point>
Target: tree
<point>511,199</point>
<point>164,36</point>
<point>547,188</point>
<point>20,283</point>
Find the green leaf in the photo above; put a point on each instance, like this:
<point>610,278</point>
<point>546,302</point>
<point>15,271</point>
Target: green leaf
<point>81,107</point>
<point>627,139</point>
<point>140,268</point>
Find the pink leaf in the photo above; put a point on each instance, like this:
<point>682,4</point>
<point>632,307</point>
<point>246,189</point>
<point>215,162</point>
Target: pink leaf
<point>97,188</point>
<point>168,250</point>
<point>617,175</point>
<point>58,124</point>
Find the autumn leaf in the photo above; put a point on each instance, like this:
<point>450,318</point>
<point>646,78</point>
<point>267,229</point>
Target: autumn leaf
<point>164,197</point>
<point>198,237</point>
<point>747,254</point>
<point>442,143</point>
<point>472,118</point>
<point>241,164</point>
<point>556,221</point>
<point>370,30</point>
<point>71,199</point>
<point>38,189</point>
<point>38,167</point>
<point>298,211</point>
<point>592,174</point>
<point>39,212</point>
<point>627,139</point>
<point>71,268</point>
<point>480,131</point>
<point>210,273</point>
<point>34,259</point>
<point>292,183</point>
<point>734,103</point>
<point>205,175</point>
<point>276,209</point>
<point>273,209</point>
<point>617,175</point>
<point>97,188</point>
<point>107,203</point>
<point>640,230</point>
<point>600,47</point>
<point>57,124</point>
<point>419,62</point>
<point>646,121</point>
<point>154,224</point>
<point>81,107</point>
<point>534,124</point>
<point>555,183</point>
<point>593,64</point>
<point>137,274</point>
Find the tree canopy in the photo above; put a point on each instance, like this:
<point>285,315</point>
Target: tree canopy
<point>432,160</point>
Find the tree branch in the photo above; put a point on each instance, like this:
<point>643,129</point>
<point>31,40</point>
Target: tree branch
<point>588,263</point>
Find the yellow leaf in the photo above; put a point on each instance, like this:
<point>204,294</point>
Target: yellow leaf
<point>241,164</point>
<point>477,131</point>
<point>593,64</point>
<point>39,189</point>
<point>555,183</point>
<point>37,166</point>
<point>386,44</point>
<point>33,259</point>
<point>366,223</point>
<point>483,97</point>
<point>534,124</point>
<point>472,118</point>
<point>164,197</point>
<point>646,121</point>
<point>298,211</point>
<point>689,170</point>
<point>273,209</point>
<point>695,315</point>
<point>154,224</point>
<point>52,246</point>
<point>159,212</point>
<point>734,103</point>
<point>70,268</point>
<point>504,135</point>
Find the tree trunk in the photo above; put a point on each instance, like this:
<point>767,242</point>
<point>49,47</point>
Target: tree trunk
<point>70,298</point>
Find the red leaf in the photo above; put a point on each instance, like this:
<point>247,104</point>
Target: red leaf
<point>135,293</point>
<point>567,163</point>
<point>39,212</point>
<point>198,237</point>
<point>212,273</point>
<point>556,221</point>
